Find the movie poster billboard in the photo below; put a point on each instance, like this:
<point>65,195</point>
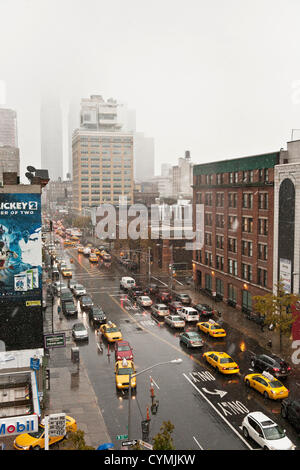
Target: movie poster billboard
<point>20,246</point>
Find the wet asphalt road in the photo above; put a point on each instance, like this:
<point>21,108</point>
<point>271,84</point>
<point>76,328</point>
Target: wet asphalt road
<point>205,407</point>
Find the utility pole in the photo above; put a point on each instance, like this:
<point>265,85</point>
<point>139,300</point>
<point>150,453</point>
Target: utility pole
<point>149,264</point>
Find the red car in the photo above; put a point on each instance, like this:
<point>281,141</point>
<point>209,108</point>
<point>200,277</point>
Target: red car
<point>123,350</point>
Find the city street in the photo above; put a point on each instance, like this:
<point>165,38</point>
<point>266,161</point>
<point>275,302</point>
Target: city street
<point>205,407</point>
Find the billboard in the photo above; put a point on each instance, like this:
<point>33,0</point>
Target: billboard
<point>20,246</point>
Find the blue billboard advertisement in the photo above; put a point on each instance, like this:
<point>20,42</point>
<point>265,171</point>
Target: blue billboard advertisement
<point>20,246</point>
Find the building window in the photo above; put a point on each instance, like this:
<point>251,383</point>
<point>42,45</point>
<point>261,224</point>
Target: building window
<point>247,272</point>
<point>247,248</point>
<point>263,226</point>
<point>262,252</point>
<point>232,245</point>
<point>208,258</point>
<point>262,277</point>
<point>231,178</point>
<point>263,175</point>
<point>208,282</point>
<point>220,200</point>
<point>208,219</point>
<point>220,178</point>
<point>220,242</point>
<point>247,224</point>
<point>199,198</point>
<point>208,239</point>
<point>263,202</point>
<point>219,287</point>
<point>232,222</point>
<point>232,293</point>
<point>220,262</point>
<point>208,179</point>
<point>219,221</point>
<point>247,200</point>
<point>208,199</point>
<point>232,199</point>
<point>232,266</point>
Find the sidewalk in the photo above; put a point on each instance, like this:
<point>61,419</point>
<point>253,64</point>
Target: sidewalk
<point>71,390</point>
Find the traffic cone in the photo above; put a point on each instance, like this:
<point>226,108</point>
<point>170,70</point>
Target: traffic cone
<point>148,416</point>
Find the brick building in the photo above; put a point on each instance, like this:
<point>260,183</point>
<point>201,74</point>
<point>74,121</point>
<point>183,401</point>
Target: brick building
<point>236,260</point>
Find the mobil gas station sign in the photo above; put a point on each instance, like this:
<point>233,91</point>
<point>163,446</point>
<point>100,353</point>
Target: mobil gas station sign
<point>18,425</point>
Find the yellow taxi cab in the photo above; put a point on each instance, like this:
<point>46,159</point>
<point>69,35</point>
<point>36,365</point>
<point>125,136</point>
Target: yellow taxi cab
<point>97,251</point>
<point>89,245</point>
<point>111,332</point>
<point>93,258</point>
<point>80,249</point>
<point>222,362</point>
<point>267,385</point>
<point>212,328</point>
<point>68,243</point>
<point>67,272</point>
<point>36,440</point>
<point>123,369</point>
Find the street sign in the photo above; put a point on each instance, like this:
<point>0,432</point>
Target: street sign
<point>57,424</point>
<point>145,444</point>
<point>34,363</point>
<point>122,436</point>
<point>133,442</point>
<point>56,340</point>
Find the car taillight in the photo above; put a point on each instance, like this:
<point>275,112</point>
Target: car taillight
<point>288,368</point>
<point>275,369</point>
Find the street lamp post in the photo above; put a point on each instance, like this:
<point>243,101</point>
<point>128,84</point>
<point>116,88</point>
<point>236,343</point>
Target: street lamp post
<point>174,361</point>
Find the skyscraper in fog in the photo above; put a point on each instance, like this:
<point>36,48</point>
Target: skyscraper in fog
<point>8,127</point>
<point>51,136</point>
<point>143,157</point>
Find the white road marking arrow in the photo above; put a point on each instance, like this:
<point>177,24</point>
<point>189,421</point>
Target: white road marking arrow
<point>221,393</point>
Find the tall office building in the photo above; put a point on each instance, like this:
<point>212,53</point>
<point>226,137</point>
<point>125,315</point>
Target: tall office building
<point>51,136</point>
<point>143,157</point>
<point>102,156</point>
<point>8,127</point>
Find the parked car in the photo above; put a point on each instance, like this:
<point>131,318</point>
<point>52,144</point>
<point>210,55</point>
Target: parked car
<point>183,298</point>
<point>272,364</point>
<point>174,321</point>
<point>144,301</point>
<point>69,309</point>
<point>79,332</point>
<point>86,302</point>
<point>57,286</point>
<point>290,410</point>
<point>160,310</point>
<point>175,306</point>
<point>97,316</point>
<point>191,339</point>
<point>204,310</point>
<point>189,314</point>
<point>265,432</point>
<point>123,350</point>
<point>79,290</point>
<point>66,295</point>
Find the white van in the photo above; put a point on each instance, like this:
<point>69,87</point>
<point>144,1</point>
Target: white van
<point>127,282</point>
<point>188,314</point>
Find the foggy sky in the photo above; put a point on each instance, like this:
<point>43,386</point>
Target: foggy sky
<point>220,78</point>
